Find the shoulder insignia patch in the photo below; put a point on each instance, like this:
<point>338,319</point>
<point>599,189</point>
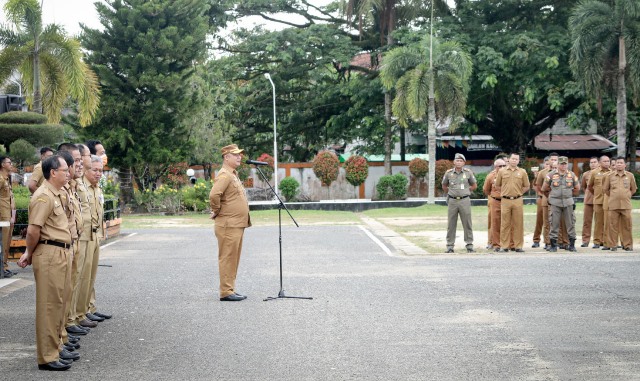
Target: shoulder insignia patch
<point>41,199</point>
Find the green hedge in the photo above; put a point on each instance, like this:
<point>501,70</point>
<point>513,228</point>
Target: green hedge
<point>22,117</point>
<point>38,135</point>
<point>480,178</point>
<point>392,187</point>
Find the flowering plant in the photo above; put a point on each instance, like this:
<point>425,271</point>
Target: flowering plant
<point>326,166</point>
<point>418,167</point>
<point>267,169</point>
<point>357,170</point>
<point>176,175</point>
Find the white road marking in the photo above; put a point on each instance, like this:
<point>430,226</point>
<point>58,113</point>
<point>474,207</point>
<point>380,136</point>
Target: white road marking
<point>111,243</point>
<point>376,240</point>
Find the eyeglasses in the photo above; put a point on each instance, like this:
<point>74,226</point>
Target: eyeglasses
<point>63,170</point>
<point>500,166</point>
<point>7,162</point>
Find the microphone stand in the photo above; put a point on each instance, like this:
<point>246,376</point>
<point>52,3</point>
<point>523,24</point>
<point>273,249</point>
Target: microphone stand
<point>281,205</point>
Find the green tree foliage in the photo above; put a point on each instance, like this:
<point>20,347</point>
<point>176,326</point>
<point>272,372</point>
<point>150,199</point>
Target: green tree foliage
<point>49,62</point>
<point>146,57</point>
<point>23,152</point>
<point>289,188</point>
<point>604,34</point>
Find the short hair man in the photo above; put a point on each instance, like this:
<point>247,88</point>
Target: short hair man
<point>7,212</point>
<point>539,212</point>
<point>587,220</point>
<point>230,211</point>
<point>513,182</point>
<point>458,183</point>
<point>596,181</point>
<point>37,178</point>
<point>562,185</point>
<point>494,200</point>
<point>620,185</point>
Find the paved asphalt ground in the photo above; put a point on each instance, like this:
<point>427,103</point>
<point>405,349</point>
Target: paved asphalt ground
<point>373,316</point>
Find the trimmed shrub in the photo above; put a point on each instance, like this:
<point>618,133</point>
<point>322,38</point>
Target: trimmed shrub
<point>38,135</point>
<point>419,167</point>
<point>289,188</point>
<point>441,167</point>
<point>22,117</point>
<point>357,170</point>
<point>392,187</point>
<point>637,176</point>
<point>23,152</point>
<point>326,167</point>
<point>196,198</point>
<point>480,178</point>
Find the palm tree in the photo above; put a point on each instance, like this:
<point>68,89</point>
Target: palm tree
<point>430,80</point>
<point>604,34</point>
<point>49,62</point>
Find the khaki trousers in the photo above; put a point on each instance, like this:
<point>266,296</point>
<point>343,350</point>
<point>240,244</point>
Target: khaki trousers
<point>511,223</point>
<point>560,215</point>
<point>76,274</point>
<point>94,272</point>
<point>52,272</point>
<point>539,223</point>
<point>7,233</point>
<point>494,233</point>
<point>620,225</point>
<point>489,238</point>
<point>587,223</point>
<point>545,225</point>
<point>598,222</point>
<point>460,208</point>
<point>90,249</point>
<point>229,250</point>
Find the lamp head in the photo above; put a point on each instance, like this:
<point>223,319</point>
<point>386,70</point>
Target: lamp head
<point>267,76</point>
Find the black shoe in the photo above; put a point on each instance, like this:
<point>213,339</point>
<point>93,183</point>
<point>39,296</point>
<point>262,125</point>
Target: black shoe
<point>240,295</point>
<point>65,362</point>
<point>102,315</point>
<point>8,274</point>
<point>502,250</point>
<point>86,323</point>
<point>449,250</point>
<point>628,249</point>
<point>54,365</point>
<point>66,355</point>
<point>595,246</point>
<point>614,249</point>
<point>470,250</point>
<point>72,345</point>
<point>73,339</point>
<point>232,298</point>
<point>68,348</point>
<point>585,244</point>
<point>95,318</point>
<point>519,251</point>
<point>536,244</point>
<point>605,248</point>
<point>547,247</point>
<point>77,330</point>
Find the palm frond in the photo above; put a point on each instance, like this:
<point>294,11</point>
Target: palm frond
<point>397,62</point>
<point>54,88</point>
<point>11,58</point>
<point>420,78</point>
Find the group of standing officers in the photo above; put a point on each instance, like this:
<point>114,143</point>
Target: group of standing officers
<point>63,245</point>
<point>607,203</point>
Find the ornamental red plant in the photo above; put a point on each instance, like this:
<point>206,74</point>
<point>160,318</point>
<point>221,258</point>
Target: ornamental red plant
<point>418,167</point>
<point>267,169</point>
<point>326,166</point>
<point>357,170</point>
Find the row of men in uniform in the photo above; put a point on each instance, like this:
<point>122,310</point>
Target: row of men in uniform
<point>63,245</point>
<point>556,188</point>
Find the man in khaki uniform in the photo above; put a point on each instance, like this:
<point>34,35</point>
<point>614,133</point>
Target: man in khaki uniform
<point>588,202</point>
<point>544,204</point>
<point>561,186</point>
<point>493,196</point>
<point>537,232</point>
<point>620,185</point>
<point>48,244</point>
<point>595,187</point>
<point>513,182</point>
<point>36,178</point>
<point>230,211</point>
<point>458,183</point>
<point>7,212</point>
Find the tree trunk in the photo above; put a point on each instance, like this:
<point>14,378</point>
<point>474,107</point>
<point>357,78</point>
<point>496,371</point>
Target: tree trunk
<point>431,136</point>
<point>633,135</point>
<point>37,92</point>
<point>621,107</point>
<point>387,133</point>
<point>126,185</point>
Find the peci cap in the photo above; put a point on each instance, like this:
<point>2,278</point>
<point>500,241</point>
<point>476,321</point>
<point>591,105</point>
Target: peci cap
<point>231,148</point>
<point>563,160</point>
<point>460,156</point>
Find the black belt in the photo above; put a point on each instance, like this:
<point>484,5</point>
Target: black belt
<point>55,243</point>
<point>458,197</point>
<point>539,196</point>
<point>511,198</point>
<point>95,230</point>
<point>496,198</point>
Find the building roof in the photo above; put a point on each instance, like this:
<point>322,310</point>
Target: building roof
<point>572,142</point>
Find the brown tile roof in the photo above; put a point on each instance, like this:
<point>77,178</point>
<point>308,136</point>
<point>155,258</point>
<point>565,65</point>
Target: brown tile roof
<point>569,142</point>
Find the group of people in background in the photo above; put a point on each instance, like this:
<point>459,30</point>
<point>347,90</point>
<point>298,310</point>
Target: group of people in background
<point>63,245</point>
<point>607,187</point>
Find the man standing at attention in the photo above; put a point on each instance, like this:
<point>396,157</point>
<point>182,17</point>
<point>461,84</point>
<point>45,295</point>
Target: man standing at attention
<point>513,182</point>
<point>562,185</point>
<point>230,211</point>
<point>588,202</point>
<point>595,187</point>
<point>458,183</point>
<point>7,212</point>
<point>539,213</point>
<point>36,178</point>
<point>620,185</point>
<point>493,194</point>
<point>48,244</point>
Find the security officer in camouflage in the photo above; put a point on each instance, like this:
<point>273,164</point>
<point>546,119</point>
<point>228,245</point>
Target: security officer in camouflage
<point>458,183</point>
<point>562,186</point>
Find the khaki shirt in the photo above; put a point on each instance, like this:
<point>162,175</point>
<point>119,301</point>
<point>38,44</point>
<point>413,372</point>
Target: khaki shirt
<point>85,209</point>
<point>489,188</point>
<point>595,184</point>
<point>584,182</point>
<point>37,175</point>
<point>71,213</point>
<point>96,205</point>
<point>512,182</point>
<point>619,186</point>
<point>228,201</point>
<point>7,203</point>
<point>46,209</point>
<point>459,182</point>
<point>561,187</point>
<point>539,182</point>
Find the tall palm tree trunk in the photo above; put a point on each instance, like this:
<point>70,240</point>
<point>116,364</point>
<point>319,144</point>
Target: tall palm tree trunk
<point>37,92</point>
<point>621,107</point>
<point>387,134</point>
<point>431,129</point>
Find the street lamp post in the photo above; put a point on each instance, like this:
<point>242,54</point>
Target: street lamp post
<point>275,142</point>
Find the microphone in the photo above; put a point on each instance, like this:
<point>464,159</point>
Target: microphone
<point>256,162</point>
